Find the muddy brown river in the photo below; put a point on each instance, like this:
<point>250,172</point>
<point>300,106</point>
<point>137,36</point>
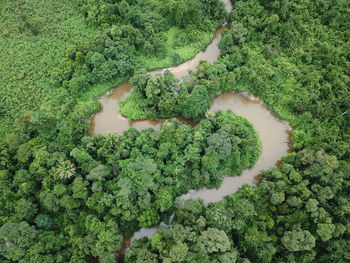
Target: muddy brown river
<point>273,132</point>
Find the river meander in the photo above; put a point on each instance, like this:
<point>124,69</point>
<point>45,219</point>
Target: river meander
<point>274,133</point>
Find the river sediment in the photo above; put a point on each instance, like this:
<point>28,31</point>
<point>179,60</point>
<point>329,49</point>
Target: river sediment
<point>274,133</point>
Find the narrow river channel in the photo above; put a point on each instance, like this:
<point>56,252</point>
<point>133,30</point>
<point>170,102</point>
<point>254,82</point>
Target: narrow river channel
<point>274,133</point>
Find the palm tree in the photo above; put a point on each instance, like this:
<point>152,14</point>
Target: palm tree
<point>64,170</point>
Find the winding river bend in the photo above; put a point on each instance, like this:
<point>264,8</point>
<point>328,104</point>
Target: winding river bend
<point>274,133</point>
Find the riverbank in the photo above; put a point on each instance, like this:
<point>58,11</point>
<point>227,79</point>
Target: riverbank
<point>274,133</point>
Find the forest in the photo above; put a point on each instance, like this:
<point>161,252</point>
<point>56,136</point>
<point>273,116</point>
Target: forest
<point>69,197</point>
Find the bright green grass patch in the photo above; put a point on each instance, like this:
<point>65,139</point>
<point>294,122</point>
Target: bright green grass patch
<point>33,37</point>
<point>176,55</point>
<point>132,109</point>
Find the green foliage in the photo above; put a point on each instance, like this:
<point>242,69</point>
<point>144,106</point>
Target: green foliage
<point>227,257</point>
<point>164,200</point>
<point>64,170</point>
<point>292,55</point>
<point>297,66</point>
<point>196,103</point>
<point>298,240</point>
<point>184,12</point>
<point>325,231</point>
<point>129,32</point>
<point>218,217</point>
<point>76,58</point>
<point>148,218</point>
<point>178,252</point>
<point>108,185</point>
<point>292,64</point>
<point>43,221</point>
<point>33,37</point>
<point>247,226</point>
<point>15,239</point>
<point>213,240</point>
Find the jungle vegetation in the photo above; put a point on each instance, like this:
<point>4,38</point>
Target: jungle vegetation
<point>108,186</point>
<point>294,56</point>
<point>33,37</point>
<point>298,67</point>
<point>66,197</point>
<point>297,214</point>
<point>66,48</point>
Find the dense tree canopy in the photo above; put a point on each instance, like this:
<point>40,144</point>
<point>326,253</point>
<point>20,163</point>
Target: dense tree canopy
<point>56,55</point>
<point>299,67</point>
<point>65,197</point>
<point>294,57</point>
<point>250,225</point>
<point>108,186</point>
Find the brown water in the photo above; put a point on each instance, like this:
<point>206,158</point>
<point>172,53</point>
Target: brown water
<point>126,243</point>
<point>109,119</point>
<point>274,133</point>
<point>210,54</point>
<point>275,138</point>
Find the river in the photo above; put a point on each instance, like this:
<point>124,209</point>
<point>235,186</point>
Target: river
<point>274,133</point>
